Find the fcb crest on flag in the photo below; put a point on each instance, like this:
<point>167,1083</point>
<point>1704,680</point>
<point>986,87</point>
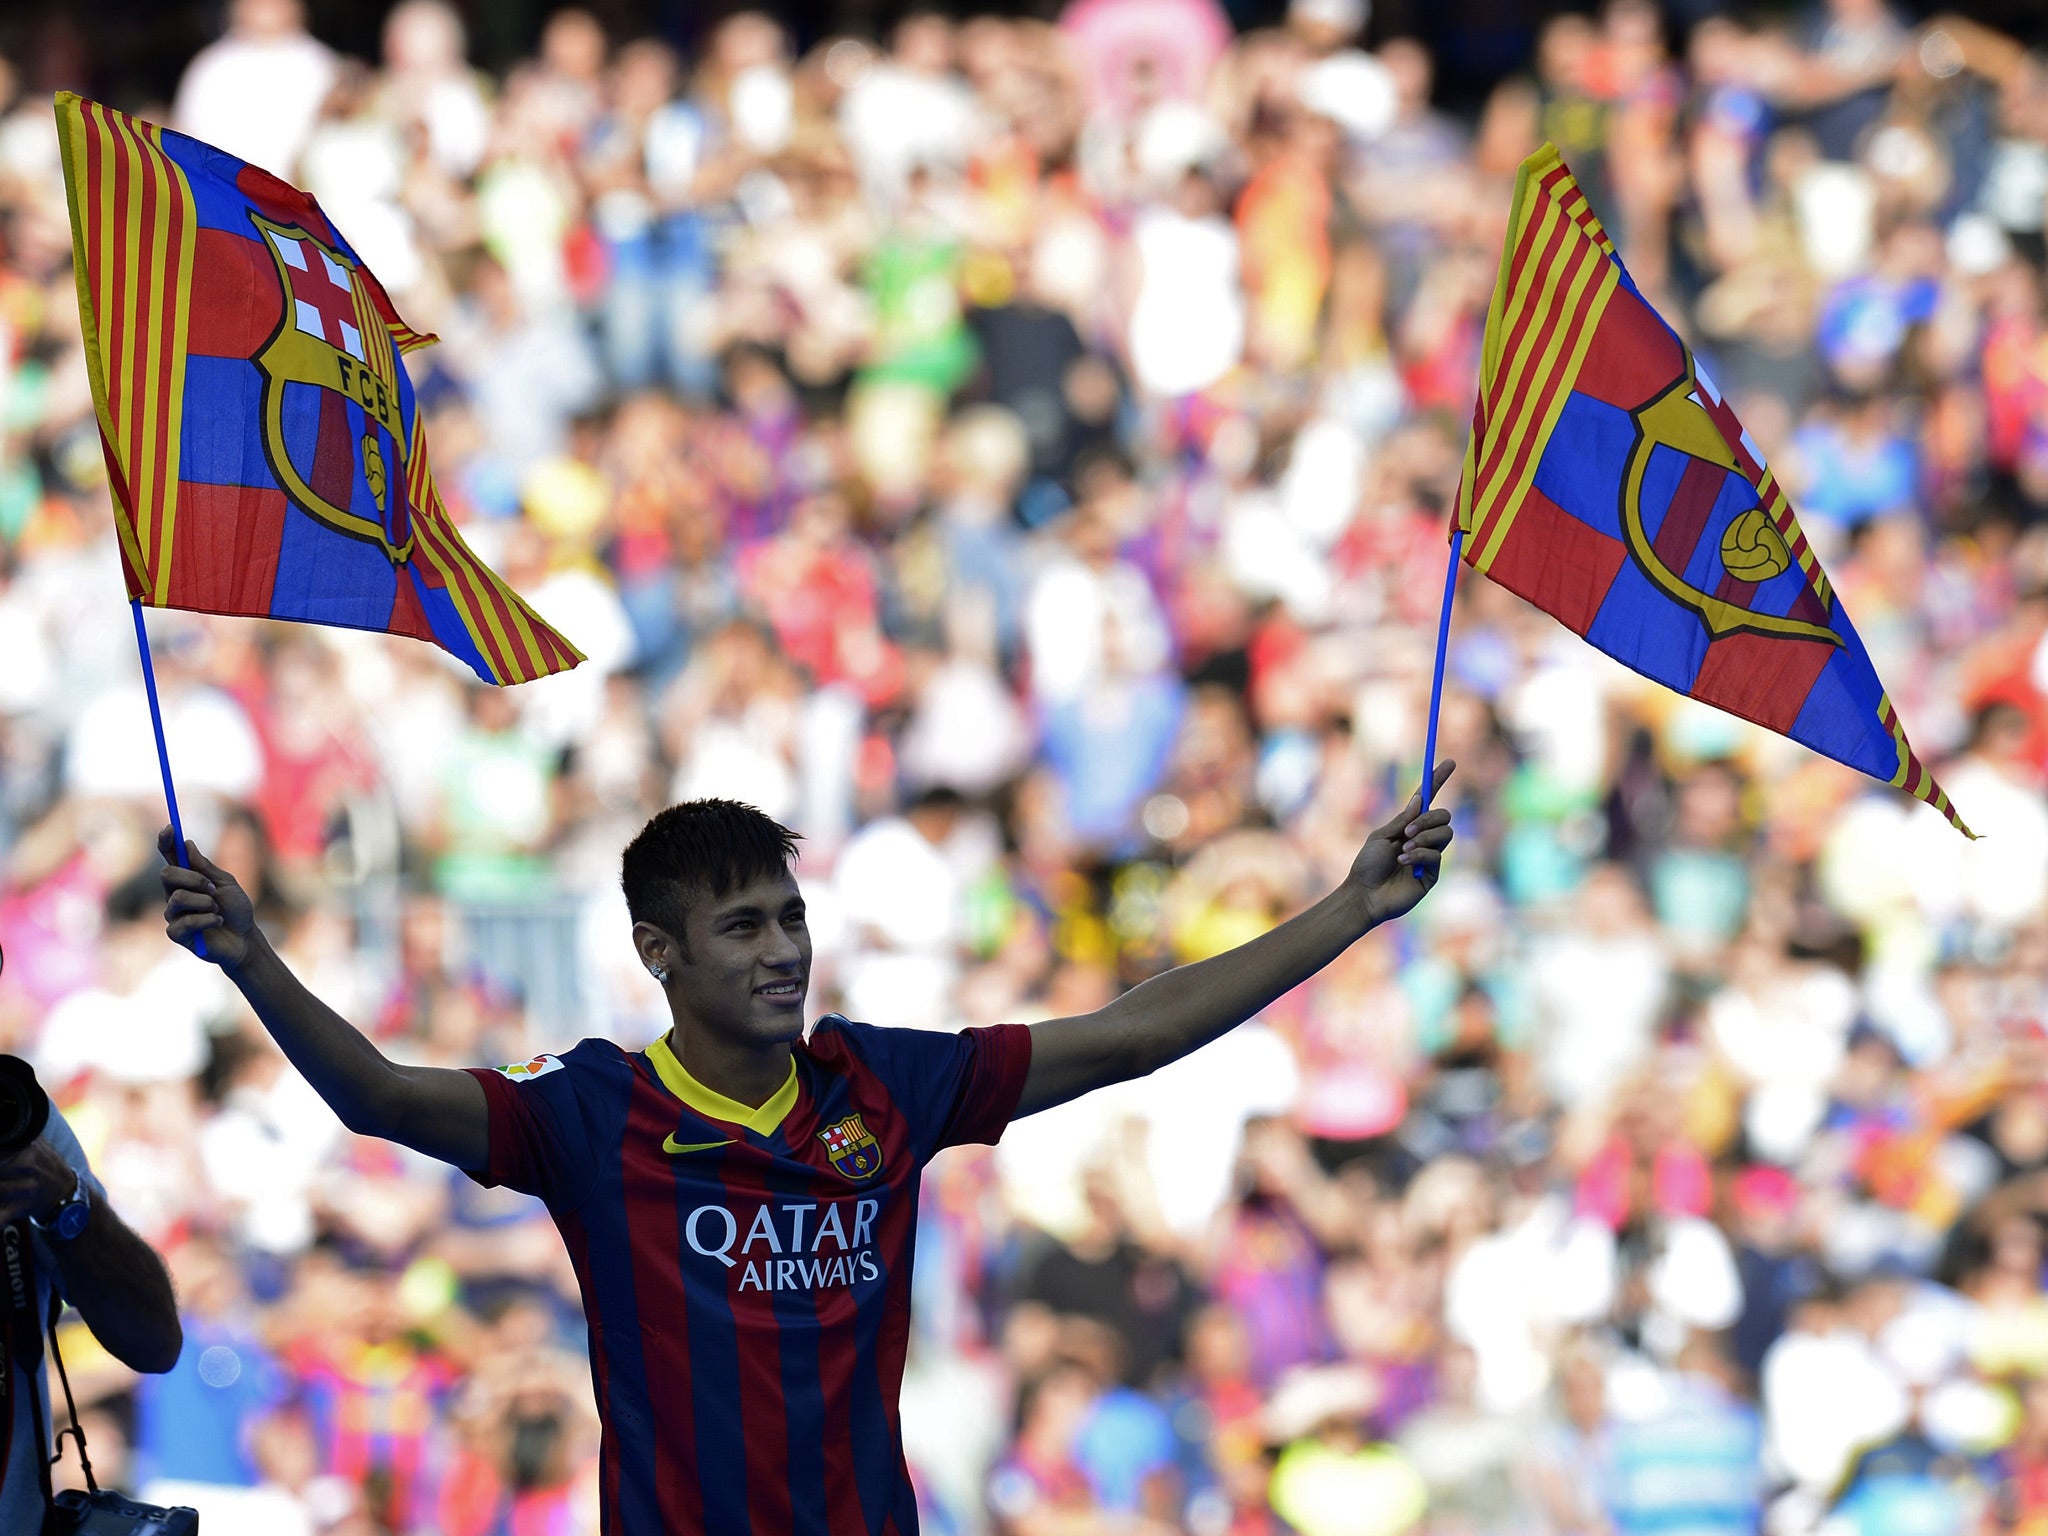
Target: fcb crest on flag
<point>851,1149</point>
<point>1607,481</point>
<point>334,461</point>
<point>264,449</point>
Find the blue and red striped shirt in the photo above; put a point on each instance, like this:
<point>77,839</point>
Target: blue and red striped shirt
<point>746,1272</point>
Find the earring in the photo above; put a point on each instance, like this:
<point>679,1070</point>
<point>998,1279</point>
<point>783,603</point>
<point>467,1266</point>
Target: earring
<point>659,973</point>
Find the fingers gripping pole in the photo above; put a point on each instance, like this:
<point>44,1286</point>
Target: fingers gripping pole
<point>163,754</point>
<point>1436,682</point>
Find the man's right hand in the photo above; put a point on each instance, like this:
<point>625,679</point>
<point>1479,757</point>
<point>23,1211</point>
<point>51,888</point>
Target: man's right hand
<point>436,1110</point>
<point>206,899</point>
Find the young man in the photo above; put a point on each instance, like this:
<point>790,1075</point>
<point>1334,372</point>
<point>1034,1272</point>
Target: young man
<point>740,1199</point>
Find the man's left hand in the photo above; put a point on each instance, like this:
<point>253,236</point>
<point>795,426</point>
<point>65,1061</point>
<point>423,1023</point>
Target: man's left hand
<point>1384,874</point>
<point>34,1182</point>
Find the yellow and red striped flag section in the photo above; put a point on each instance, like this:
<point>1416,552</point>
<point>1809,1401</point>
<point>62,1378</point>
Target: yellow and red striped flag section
<point>265,452</point>
<point>1608,482</point>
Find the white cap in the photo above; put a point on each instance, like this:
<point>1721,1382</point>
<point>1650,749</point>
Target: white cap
<point>1352,89</point>
<point>1174,138</point>
<point>1977,245</point>
<point>1309,1396</point>
<point>1346,16</point>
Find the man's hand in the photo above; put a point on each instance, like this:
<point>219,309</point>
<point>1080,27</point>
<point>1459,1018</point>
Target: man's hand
<point>1383,876</point>
<point>34,1182</point>
<point>206,899</point>
<point>435,1110</point>
<point>1163,1019</point>
<point>112,1276</point>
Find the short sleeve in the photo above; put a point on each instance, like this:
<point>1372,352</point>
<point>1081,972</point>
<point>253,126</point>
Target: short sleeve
<point>991,1083</point>
<point>59,1135</point>
<point>64,1141</point>
<point>955,1088</point>
<point>536,1130</point>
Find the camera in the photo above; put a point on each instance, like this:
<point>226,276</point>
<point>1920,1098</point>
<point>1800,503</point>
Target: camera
<point>108,1514</point>
<point>24,1107</point>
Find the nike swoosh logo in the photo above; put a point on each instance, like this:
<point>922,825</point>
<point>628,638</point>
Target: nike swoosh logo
<point>672,1145</point>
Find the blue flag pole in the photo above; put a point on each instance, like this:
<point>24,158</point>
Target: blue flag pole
<point>163,753</point>
<point>1436,682</point>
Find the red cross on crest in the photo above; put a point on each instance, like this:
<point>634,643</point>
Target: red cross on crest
<point>323,295</point>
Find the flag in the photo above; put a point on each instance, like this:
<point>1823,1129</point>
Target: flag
<point>265,451</point>
<point>1607,481</point>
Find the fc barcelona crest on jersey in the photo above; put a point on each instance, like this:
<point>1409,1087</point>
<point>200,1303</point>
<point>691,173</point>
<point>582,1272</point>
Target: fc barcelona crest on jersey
<point>852,1150</point>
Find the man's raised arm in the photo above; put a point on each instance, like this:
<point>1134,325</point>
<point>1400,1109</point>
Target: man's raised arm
<point>1189,1006</point>
<point>435,1110</point>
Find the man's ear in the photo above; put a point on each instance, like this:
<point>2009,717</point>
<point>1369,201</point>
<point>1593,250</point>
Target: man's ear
<point>658,948</point>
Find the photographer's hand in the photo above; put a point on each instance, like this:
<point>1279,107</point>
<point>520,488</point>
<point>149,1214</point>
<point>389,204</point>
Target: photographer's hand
<point>206,899</point>
<point>112,1276</point>
<point>34,1182</point>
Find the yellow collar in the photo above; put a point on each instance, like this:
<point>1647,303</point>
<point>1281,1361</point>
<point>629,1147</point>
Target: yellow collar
<point>714,1105</point>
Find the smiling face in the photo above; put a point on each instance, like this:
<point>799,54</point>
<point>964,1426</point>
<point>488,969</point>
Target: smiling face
<point>743,966</point>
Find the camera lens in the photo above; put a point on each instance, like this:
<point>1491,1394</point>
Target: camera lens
<point>24,1107</point>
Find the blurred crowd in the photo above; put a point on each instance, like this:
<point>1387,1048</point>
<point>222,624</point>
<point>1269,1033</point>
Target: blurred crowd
<point>1017,455</point>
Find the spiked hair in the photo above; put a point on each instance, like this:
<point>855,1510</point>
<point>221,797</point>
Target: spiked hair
<point>698,848</point>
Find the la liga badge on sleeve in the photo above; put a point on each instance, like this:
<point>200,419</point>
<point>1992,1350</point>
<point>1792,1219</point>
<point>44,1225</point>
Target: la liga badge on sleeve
<point>527,1071</point>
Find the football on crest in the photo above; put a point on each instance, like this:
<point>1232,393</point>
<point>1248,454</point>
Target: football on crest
<point>1752,549</point>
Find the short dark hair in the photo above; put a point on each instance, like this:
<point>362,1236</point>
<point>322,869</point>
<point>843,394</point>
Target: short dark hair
<point>699,847</point>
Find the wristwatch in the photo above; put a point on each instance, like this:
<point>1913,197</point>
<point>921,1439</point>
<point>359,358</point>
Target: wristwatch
<point>71,1215</point>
